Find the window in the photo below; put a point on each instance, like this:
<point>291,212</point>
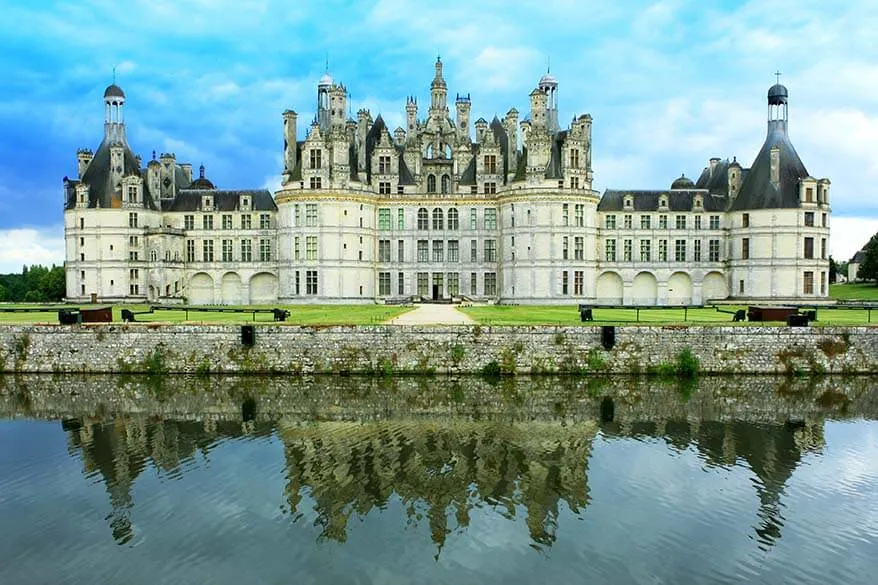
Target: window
<point>473,251</point>
<point>265,250</point>
<point>227,222</point>
<point>264,221</point>
<point>491,218</point>
<point>190,250</point>
<point>565,246</point>
<point>611,222</point>
<point>578,248</point>
<point>132,220</point>
<point>315,157</point>
<point>207,222</point>
<point>680,250</point>
<point>610,250</point>
<point>745,248</point>
<point>133,241</point>
<point>246,222</point>
<point>663,222</point>
<point>823,248</point>
<point>423,219</point>
<point>713,250</point>
<point>311,248</point>
<point>696,251</point>
<point>297,216</point>
<point>490,164</point>
<point>431,183</point>
<point>574,158</point>
<point>809,218</point>
<point>383,284</point>
<point>809,247</point>
<point>808,283</point>
<point>473,282</point>
<point>246,251</point>
<point>207,251</point>
<point>698,222</point>
<point>663,251</point>
<point>400,219</point>
<point>82,222</point>
<point>490,251</point>
<point>823,222</point>
<point>384,219</point>
<point>311,214</point>
<point>453,251</point>
<point>423,251</point>
<point>400,251</point>
<point>626,250</point>
<point>644,222</point>
<point>809,198</point>
<point>823,283</point>
<point>400,290</point>
<point>565,214</point>
<point>384,189</point>
<point>745,219</point>
<point>628,202</point>
<point>645,250</point>
<point>574,182</point>
<point>423,284</point>
<point>580,214</point>
<point>316,183</point>
<point>384,165</point>
<point>296,248</point>
<point>227,250</point>
<point>453,219</point>
<point>133,255</point>
<point>564,282</point>
<point>681,222</point>
<point>438,250</point>
<point>400,189</point>
<point>578,282</point>
<point>473,219</point>
<point>741,287</point>
<point>310,282</point>
<point>453,284</point>
<point>445,184</point>
<point>490,284</point>
<point>714,222</point>
<point>627,221</point>
<point>491,188</point>
<point>437,219</point>
<point>188,222</point>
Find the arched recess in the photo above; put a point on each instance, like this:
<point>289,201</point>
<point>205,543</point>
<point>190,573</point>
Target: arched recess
<point>232,291</point>
<point>201,289</point>
<point>431,183</point>
<point>446,184</point>
<point>714,287</point>
<point>644,289</point>
<point>609,288</point>
<point>263,289</point>
<point>679,289</point>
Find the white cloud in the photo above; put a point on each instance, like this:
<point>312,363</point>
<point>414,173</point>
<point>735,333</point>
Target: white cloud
<point>849,234</point>
<point>27,246</point>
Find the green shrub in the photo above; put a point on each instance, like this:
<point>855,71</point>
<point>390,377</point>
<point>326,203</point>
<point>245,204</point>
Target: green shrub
<point>687,364</point>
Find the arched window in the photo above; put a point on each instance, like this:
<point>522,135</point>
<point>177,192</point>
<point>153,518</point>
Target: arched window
<point>428,152</point>
<point>431,183</point>
<point>437,219</point>
<point>423,219</point>
<point>453,219</point>
<point>446,183</point>
<point>447,151</point>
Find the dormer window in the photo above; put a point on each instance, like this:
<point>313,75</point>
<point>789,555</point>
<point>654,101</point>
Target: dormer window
<point>629,202</point>
<point>132,194</point>
<point>207,203</point>
<point>663,201</point>
<point>698,202</point>
<point>245,203</point>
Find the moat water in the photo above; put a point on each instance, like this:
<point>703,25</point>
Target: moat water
<point>348,480</point>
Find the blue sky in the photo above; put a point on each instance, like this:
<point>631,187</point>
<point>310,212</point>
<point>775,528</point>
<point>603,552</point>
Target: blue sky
<point>669,83</point>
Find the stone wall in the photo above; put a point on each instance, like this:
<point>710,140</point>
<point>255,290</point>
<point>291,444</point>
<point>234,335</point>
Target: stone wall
<point>385,350</point>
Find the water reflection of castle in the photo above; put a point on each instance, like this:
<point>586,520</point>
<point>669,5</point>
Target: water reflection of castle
<point>440,470</point>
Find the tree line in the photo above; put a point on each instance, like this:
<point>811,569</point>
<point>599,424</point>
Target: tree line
<point>35,284</point>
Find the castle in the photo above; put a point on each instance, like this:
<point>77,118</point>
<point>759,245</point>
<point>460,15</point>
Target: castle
<point>500,211</point>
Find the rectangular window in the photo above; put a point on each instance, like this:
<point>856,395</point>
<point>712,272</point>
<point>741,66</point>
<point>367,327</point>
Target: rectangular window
<point>580,215</point>
<point>611,222</point>
<point>315,158</point>
<point>264,221</point>
<point>714,222</point>
<point>473,220</point>
<point>453,284</point>
<point>578,282</point>
<point>423,251</point>
<point>696,251</point>
<point>490,164</point>
<point>188,222</point>
<point>400,219</point>
<point>311,214</point>
<point>745,248</point>
<point>384,165</point>
<point>490,284</point>
<point>400,250</point>
<point>384,219</point>
<point>809,247</point>
<point>578,248</point>
<point>627,221</point>
<point>132,194</point>
<point>626,250</point>
<point>809,219</point>
<point>227,222</point>
<point>491,188</point>
<point>298,282</point>
<point>453,251</point>
<point>663,251</point>
<point>473,283</point>
<point>808,283</point>
<point>663,222</point>
<point>610,249</point>
<point>680,250</point>
<point>296,248</point>
<point>491,218</point>
<point>207,251</point>
<point>297,215</point>
<point>809,198</point>
<point>207,222</point>
<point>644,222</point>
<point>133,241</point>
<point>227,250</point>
<point>823,248</point>
<point>384,188</point>
<point>310,282</point>
<point>713,250</point>
<point>565,247</point>
<point>438,250</point>
<point>823,283</point>
<point>265,249</point>
<point>400,284</point>
<point>490,250</point>
<point>246,251</point>
<point>132,220</point>
<point>423,284</point>
<point>681,222</point>
<point>823,223</point>
<point>383,284</point>
<point>246,222</point>
<point>133,255</point>
<point>564,282</point>
<point>473,251</point>
<point>645,250</point>
<point>311,248</point>
<point>574,158</point>
<point>698,222</point>
<point>565,214</point>
<point>745,220</point>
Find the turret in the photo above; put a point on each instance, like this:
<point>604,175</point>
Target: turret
<point>411,117</point>
<point>463,105</point>
<point>549,86</point>
<point>114,120</point>
<point>323,87</point>
<point>438,90</point>
<point>481,130</point>
<point>510,123</point>
<point>337,107</point>
<point>168,175</point>
<point>399,136</point>
<point>538,112</point>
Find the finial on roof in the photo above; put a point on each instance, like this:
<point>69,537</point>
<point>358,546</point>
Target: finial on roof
<point>201,171</point>
<point>548,64</point>
<point>327,62</point>
<point>114,75</point>
<point>153,155</point>
<point>777,75</point>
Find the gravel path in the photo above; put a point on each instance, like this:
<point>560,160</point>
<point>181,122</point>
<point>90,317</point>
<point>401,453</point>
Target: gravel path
<point>432,315</point>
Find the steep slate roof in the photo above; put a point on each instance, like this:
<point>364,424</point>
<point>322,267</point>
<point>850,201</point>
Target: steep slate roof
<point>502,138</point>
<point>373,137</point>
<point>468,177</point>
<point>553,170</point>
<point>296,173</point>
<point>757,190</point>
<point>521,169</point>
<point>226,200</point>
<point>679,200</point>
<point>98,177</point>
<point>718,181</point>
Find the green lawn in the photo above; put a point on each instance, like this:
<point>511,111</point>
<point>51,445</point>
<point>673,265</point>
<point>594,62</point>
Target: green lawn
<point>299,315</point>
<point>854,291</point>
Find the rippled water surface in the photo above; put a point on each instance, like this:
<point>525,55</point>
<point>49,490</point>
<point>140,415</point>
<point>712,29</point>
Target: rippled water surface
<point>344,480</point>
